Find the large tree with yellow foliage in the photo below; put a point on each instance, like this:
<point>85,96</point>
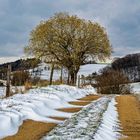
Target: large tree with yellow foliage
<point>69,41</point>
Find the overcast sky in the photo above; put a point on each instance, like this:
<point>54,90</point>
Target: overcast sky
<point>121,18</point>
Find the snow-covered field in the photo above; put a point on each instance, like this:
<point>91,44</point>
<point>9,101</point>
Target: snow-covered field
<point>8,59</point>
<point>13,89</point>
<point>97,120</point>
<point>90,68</point>
<point>84,70</point>
<point>32,105</point>
<point>136,88</point>
<point>2,92</point>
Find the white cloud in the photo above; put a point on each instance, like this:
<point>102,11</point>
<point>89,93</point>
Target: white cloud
<point>121,19</point>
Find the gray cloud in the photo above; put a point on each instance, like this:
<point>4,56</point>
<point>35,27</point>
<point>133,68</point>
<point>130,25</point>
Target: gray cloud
<point>120,18</point>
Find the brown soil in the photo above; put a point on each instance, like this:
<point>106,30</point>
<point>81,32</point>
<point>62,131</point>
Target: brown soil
<point>32,130</point>
<point>129,115</point>
<point>90,98</point>
<point>85,100</point>
<point>80,103</point>
<point>70,110</point>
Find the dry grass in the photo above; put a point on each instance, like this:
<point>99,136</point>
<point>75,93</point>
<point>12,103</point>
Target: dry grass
<point>129,115</point>
<point>70,110</point>
<point>32,130</point>
<point>80,103</point>
<point>28,85</point>
<point>90,98</point>
<point>83,101</point>
<point>138,96</point>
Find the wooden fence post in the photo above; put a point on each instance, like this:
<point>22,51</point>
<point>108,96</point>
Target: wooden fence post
<point>78,81</point>
<point>61,76</point>
<point>51,74</point>
<point>8,81</point>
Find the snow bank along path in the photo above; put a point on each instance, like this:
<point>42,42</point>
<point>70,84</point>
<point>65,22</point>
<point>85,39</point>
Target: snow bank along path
<point>2,92</point>
<point>37,105</point>
<point>96,121</point>
<point>110,124</point>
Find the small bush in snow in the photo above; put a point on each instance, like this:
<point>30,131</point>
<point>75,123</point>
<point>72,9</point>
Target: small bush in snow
<point>20,77</point>
<point>28,85</point>
<point>113,82</point>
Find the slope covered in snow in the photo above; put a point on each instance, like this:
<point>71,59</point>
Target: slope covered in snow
<point>90,68</point>
<point>2,92</point>
<point>136,87</point>
<point>37,104</point>
<point>8,59</point>
<point>110,126</point>
<point>84,70</point>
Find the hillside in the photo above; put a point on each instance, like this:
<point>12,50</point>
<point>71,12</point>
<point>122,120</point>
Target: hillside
<point>18,65</point>
<point>130,65</point>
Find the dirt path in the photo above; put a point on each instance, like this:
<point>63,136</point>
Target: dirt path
<point>32,130</point>
<point>129,115</point>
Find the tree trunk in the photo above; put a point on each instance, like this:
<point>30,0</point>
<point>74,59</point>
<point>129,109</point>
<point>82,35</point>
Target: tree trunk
<point>61,76</point>
<point>51,74</point>
<point>78,81</point>
<point>68,80</point>
<point>72,75</point>
<point>73,78</point>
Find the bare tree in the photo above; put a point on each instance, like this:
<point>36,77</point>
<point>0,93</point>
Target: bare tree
<point>69,41</point>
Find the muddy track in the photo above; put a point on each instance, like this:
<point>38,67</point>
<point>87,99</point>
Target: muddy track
<point>129,115</point>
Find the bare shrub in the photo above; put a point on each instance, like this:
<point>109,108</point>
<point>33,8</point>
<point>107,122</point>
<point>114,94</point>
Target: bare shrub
<point>43,83</point>
<point>20,77</point>
<point>28,85</point>
<point>113,82</point>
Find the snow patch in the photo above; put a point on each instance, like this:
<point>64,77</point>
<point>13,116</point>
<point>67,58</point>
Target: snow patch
<point>84,70</point>
<point>110,124</point>
<point>98,121</point>
<point>83,125</point>
<point>136,87</point>
<point>37,104</point>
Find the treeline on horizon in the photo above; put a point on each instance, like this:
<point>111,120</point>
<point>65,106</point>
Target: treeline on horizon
<point>129,65</point>
<point>19,65</point>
